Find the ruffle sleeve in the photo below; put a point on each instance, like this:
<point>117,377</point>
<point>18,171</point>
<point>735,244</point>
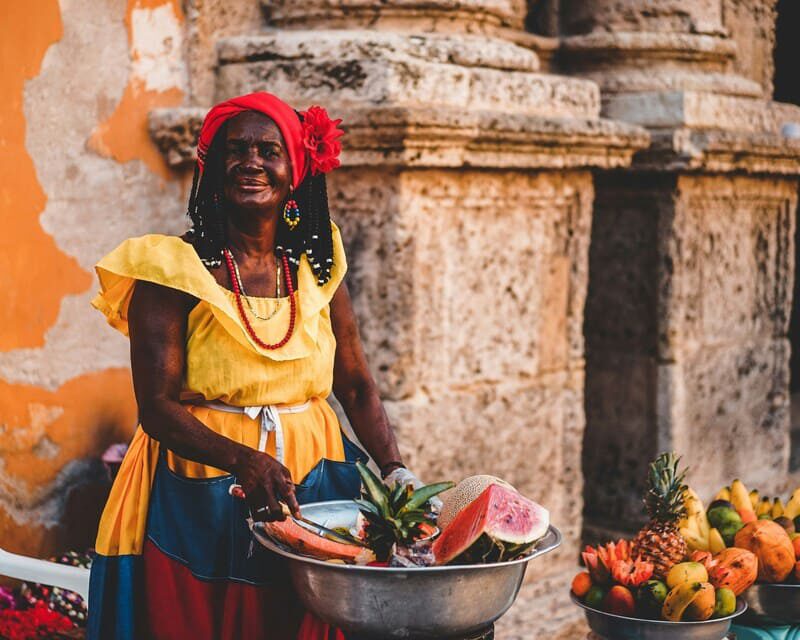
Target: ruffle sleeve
<point>171,262</point>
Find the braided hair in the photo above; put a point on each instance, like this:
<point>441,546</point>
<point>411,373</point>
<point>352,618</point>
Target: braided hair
<point>206,210</point>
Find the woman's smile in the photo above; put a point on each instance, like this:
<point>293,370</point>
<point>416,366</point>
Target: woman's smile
<point>252,184</point>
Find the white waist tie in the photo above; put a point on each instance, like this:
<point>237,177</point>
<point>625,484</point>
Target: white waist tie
<point>270,420</point>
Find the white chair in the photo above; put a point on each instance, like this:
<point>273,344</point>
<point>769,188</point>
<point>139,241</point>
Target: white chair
<point>53,574</point>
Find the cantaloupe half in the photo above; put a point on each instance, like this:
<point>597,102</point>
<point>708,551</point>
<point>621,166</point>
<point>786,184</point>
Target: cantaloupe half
<point>500,524</point>
<point>308,543</point>
<point>462,495</point>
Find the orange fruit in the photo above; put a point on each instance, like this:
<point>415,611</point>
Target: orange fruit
<point>581,584</point>
<point>796,545</point>
<point>619,601</point>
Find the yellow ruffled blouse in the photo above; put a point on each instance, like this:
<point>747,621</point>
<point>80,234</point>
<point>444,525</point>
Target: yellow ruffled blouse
<point>224,364</point>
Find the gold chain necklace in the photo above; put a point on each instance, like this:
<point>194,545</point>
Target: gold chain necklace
<point>244,295</point>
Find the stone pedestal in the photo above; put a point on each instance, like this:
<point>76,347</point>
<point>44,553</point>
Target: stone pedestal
<point>691,260</point>
<point>465,200</point>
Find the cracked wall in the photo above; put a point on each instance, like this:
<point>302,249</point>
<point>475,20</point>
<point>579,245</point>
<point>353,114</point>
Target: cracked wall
<point>81,175</point>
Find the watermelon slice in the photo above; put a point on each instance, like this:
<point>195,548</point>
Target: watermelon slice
<point>498,525</point>
<point>308,543</point>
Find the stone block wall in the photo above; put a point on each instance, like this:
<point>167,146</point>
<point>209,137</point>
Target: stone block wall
<point>686,323</point>
<point>469,287</point>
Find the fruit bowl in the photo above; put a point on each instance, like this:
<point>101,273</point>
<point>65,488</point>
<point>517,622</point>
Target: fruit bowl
<point>613,627</point>
<point>772,604</point>
<point>387,602</point>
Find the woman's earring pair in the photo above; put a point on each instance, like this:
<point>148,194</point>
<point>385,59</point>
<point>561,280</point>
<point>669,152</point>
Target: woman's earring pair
<point>291,212</point>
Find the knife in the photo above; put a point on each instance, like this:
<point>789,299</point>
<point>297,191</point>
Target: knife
<point>237,492</point>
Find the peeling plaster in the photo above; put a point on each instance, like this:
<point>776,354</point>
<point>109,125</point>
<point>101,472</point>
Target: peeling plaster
<point>93,202</point>
<point>157,78</point>
<point>157,47</point>
<point>36,272</point>
<point>67,394</point>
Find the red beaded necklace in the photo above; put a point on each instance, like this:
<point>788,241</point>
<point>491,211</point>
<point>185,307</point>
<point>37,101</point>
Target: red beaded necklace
<point>287,276</point>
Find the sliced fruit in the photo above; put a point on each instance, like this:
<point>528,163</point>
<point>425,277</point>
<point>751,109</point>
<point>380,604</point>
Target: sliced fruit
<point>503,518</point>
<point>462,495</point>
<point>397,516</point>
<point>632,573</point>
<point>306,542</point>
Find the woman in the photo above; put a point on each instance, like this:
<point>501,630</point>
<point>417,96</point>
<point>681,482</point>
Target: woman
<point>239,331</point>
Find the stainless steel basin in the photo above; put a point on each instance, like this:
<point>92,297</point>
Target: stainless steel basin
<point>613,627</point>
<point>772,604</point>
<point>387,602</point>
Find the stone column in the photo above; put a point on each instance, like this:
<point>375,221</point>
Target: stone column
<point>465,199</point>
<point>691,260</point>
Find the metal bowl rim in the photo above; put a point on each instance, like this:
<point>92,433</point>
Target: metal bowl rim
<point>741,607</point>
<point>267,542</point>
<point>773,585</point>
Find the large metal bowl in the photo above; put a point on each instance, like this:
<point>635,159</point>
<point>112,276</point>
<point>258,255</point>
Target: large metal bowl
<point>772,604</point>
<point>387,602</point>
<point>614,627</point>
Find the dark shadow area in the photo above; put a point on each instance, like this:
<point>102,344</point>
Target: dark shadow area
<point>787,89</point>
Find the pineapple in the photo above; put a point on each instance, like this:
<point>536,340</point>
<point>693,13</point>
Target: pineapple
<point>400,516</point>
<point>660,542</point>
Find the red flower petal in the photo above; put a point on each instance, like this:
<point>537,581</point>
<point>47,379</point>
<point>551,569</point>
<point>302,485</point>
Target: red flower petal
<point>320,138</point>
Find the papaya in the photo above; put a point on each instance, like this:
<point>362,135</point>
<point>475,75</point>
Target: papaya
<point>733,568</point>
<point>772,547</point>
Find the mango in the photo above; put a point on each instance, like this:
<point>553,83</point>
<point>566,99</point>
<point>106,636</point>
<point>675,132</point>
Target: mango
<point>686,572</point>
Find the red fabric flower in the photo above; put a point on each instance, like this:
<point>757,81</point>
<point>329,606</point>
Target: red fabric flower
<point>320,138</point>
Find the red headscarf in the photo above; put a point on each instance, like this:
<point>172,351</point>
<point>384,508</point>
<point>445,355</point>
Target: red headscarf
<point>312,144</point>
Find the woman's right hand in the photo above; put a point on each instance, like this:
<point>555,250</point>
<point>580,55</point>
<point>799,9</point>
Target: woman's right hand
<point>266,483</point>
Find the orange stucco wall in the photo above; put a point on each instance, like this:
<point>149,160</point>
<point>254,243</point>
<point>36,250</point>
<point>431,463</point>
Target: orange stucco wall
<point>36,274</point>
<point>124,135</point>
<point>52,433</point>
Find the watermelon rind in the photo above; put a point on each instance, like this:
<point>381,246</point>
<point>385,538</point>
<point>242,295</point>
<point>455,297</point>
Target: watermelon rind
<point>498,525</point>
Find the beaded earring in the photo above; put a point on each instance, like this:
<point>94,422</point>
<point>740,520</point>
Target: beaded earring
<point>291,212</point>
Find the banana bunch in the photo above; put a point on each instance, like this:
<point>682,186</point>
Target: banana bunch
<point>762,506</point>
<point>776,509</point>
<point>695,528</point>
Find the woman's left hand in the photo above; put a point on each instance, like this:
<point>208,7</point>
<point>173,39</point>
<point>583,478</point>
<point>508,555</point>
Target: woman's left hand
<point>403,476</point>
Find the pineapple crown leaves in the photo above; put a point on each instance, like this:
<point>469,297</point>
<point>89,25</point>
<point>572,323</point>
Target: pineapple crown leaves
<point>394,515</point>
<point>401,499</point>
<point>665,487</point>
